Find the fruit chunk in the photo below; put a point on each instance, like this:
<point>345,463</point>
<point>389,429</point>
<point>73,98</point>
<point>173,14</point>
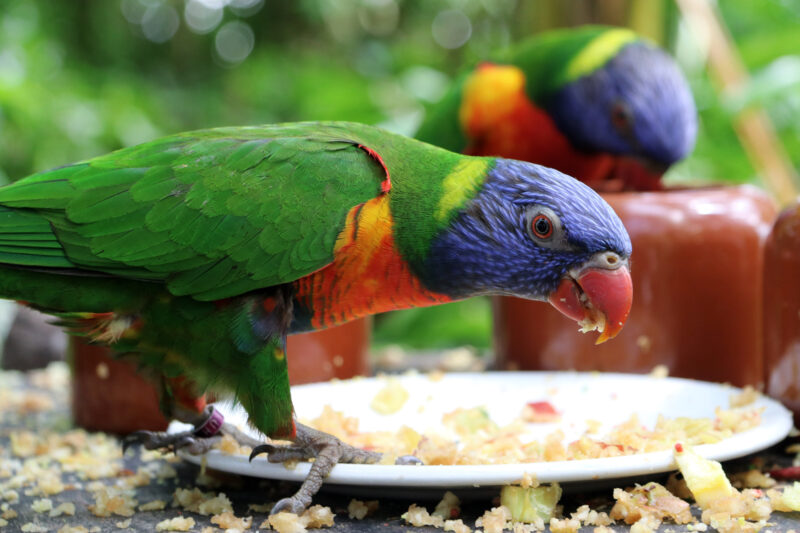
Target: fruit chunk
<point>390,399</point>
<point>791,497</point>
<point>705,478</point>
<point>528,504</point>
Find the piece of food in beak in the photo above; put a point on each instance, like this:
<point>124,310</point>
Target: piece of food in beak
<point>597,298</point>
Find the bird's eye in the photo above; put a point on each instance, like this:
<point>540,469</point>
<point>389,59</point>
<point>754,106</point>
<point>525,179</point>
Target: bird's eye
<point>542,227</point>
<point>621,116</point>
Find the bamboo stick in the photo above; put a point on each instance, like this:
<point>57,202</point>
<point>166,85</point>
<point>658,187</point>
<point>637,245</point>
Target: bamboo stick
<point>752,125</point>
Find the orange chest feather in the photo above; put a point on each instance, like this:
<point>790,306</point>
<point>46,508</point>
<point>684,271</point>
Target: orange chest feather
<point>499,119</point>
<point>367,274</point>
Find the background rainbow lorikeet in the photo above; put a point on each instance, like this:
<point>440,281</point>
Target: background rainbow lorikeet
<point>597,103</point>
<point>199,253</point>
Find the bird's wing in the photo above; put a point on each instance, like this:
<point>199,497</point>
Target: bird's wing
<point>211,214</point>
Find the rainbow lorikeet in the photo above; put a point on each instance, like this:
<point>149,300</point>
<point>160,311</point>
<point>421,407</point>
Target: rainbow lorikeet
<point>597,103</point>
<point>200,252</point>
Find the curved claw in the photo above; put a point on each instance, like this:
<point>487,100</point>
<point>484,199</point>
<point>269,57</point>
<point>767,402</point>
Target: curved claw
<point>408,460</point>
<point>289,505</point>
<point>258,450</point>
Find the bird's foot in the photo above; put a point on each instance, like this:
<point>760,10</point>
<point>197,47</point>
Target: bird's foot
<point>185,440</point>
<point>327,451</point>
<point>197,441</point>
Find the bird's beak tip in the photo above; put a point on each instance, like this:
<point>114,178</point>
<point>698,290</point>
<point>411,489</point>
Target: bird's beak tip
<point>598,299</point>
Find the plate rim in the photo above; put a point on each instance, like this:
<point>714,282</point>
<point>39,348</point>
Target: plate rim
<point>484,475</point>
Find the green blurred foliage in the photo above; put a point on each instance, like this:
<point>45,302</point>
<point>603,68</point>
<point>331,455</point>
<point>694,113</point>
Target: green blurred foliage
<point>766,36</point>
<point>82,77</point>
<point>464,323</point>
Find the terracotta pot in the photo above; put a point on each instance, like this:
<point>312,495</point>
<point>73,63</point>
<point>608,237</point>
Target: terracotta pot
<point>108,394</point>
<point>696,268</point>
<point>782,310</point>
<point>341,352</point>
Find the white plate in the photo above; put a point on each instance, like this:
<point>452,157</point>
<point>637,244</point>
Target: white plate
<point>610,398</point>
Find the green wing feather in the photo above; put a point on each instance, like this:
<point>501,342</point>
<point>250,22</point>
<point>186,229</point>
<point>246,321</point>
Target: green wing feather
<point>211,214</point>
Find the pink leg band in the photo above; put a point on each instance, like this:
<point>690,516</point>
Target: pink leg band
<point>211,426</point>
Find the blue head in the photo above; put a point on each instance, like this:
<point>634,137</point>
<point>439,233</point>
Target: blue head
<point>637,104</point>
<point>536,233</point>
<point>526,229</point>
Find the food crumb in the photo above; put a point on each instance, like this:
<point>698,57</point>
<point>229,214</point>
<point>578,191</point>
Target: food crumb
<point>67,508</point>
<point>30,527</point>
<point>746,397</point>
<point>565,525</point>
<point>419,516</point>
<point>124,524</point>
<point>314,517</point>
<point>435,375</point>
<point>179,523</point>
<point>540,413</point>
<point>204,503</point>
<point>646,524</point>
<point>358,509</point>
<point>318,516</point>
<point>751,479</point>
<point>659,372</point>
<point>102,371</point>
<point>390,398</point>
<point>50,485</point>
<point>495,520</point>
<point>284,523</point>
<point>228,520</point>
<point>73,529</point>
<point>112,501</point>
<point>154,505</point>
<point>651,501</point>
<point>458,526</point>
<point>42,506</point>
<point>230,446</point>
<point>449,507</point>
<point>528,481</point>
<point>590,517</point>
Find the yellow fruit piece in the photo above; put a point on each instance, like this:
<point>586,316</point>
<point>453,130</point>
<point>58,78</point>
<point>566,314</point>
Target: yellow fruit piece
<point>705,478</point>
<point>528,504</point>
<point>468,422</point>
<point>408,439</point>
<point>791,497</point>
<point>390,399</point>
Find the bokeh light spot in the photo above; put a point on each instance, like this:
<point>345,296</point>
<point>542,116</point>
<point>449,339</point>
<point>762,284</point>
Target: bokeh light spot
<point>234,42</point>
<point>133,11</point>
<point>160,22</point>
<point>379,17</point>
<point>246,7</point>
<point>451,29</point>
<point>201,17</point>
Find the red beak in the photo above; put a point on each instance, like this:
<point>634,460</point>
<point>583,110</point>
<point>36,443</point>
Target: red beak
<point>597,298</point>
